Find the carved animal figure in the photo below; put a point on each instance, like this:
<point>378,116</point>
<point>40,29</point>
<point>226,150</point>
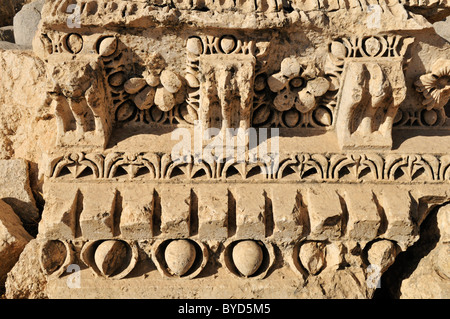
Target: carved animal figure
<point>80,102</point>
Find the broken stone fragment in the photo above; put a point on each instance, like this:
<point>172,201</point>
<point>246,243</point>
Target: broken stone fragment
<point>27,280</point>
<point>318,87</point>
<point>15,189</point>
<point>53,256</point>
<point>13,239</point>
<point>382,254</point>
<point>312,257</point>
<point>26,22</point>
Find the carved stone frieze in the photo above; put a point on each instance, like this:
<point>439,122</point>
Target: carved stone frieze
<point>153,121</point>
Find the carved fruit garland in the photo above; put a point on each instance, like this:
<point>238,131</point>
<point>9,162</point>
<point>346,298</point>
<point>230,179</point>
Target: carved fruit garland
<point>162,90</point>
<point>296,86</point>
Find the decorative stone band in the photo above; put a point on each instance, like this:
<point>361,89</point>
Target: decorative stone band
<point>350,167</point>
<point>180,228</point>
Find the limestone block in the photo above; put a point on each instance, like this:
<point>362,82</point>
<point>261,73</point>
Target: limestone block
<point>325,213</point>
<point>363,218</point>
<point>22,101</point>
<point>288,214</point>
<point>13,239</point>
<point>250,213</point>
<point>397,205</point>
<point>213,213</point>
<point>60,215</point>
<point>99,208</point>
<point>7,34</point>
<point>26,22</point>
<point>15,189</point>
<point>136,221</point>
<point>175,211</point>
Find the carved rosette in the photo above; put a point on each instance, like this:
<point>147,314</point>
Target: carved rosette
<point>435,86</point>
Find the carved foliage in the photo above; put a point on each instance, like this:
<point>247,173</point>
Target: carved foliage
<point>370,166</point>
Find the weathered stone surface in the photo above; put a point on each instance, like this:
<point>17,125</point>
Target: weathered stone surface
<point>312,256</point>
<point>337,142</point>
<point>109,255</point>
<point>288,213</point>
<point>326,215</point>
<point>26,22</point>
<point>27,280</point>
<point>213,213</point>
<point>23,131</point>
<point>16,191</point>
<point>180,256</point>
<point>176,212</point>
<point>430,279</point>
<point>247,257</point>
<point>13,238</point>
<point>250,214</point>
<point>443,28</point>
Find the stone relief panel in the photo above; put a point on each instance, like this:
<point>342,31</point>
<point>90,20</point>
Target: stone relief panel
<point>118,204</point>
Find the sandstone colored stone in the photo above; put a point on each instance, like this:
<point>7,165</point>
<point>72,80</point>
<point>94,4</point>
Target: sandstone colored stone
<point>247,257</point>
<point>213,213</point>
<point>136,219</point>
<point>442,28</point>
<point>250,211</point>
<point>109,256</point>
<point>13,239</point>
<point>288,213</point>
<point>430,278</point>
<point>397,207</point>
<point>364,219</point>
<point>382,254</point>
<point>164,99</point>
<point>61,210</point>
<point>312,256</point>
<point>180,256</point>
<point>27,280</point>
<point>175,213</point>
<point>16,191</point>
<point>170,81</point>
<point>97,216</point>
<point>26,22</point>
<point>134,85</point>
<point>354,109</point>
<point>325,214</point>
